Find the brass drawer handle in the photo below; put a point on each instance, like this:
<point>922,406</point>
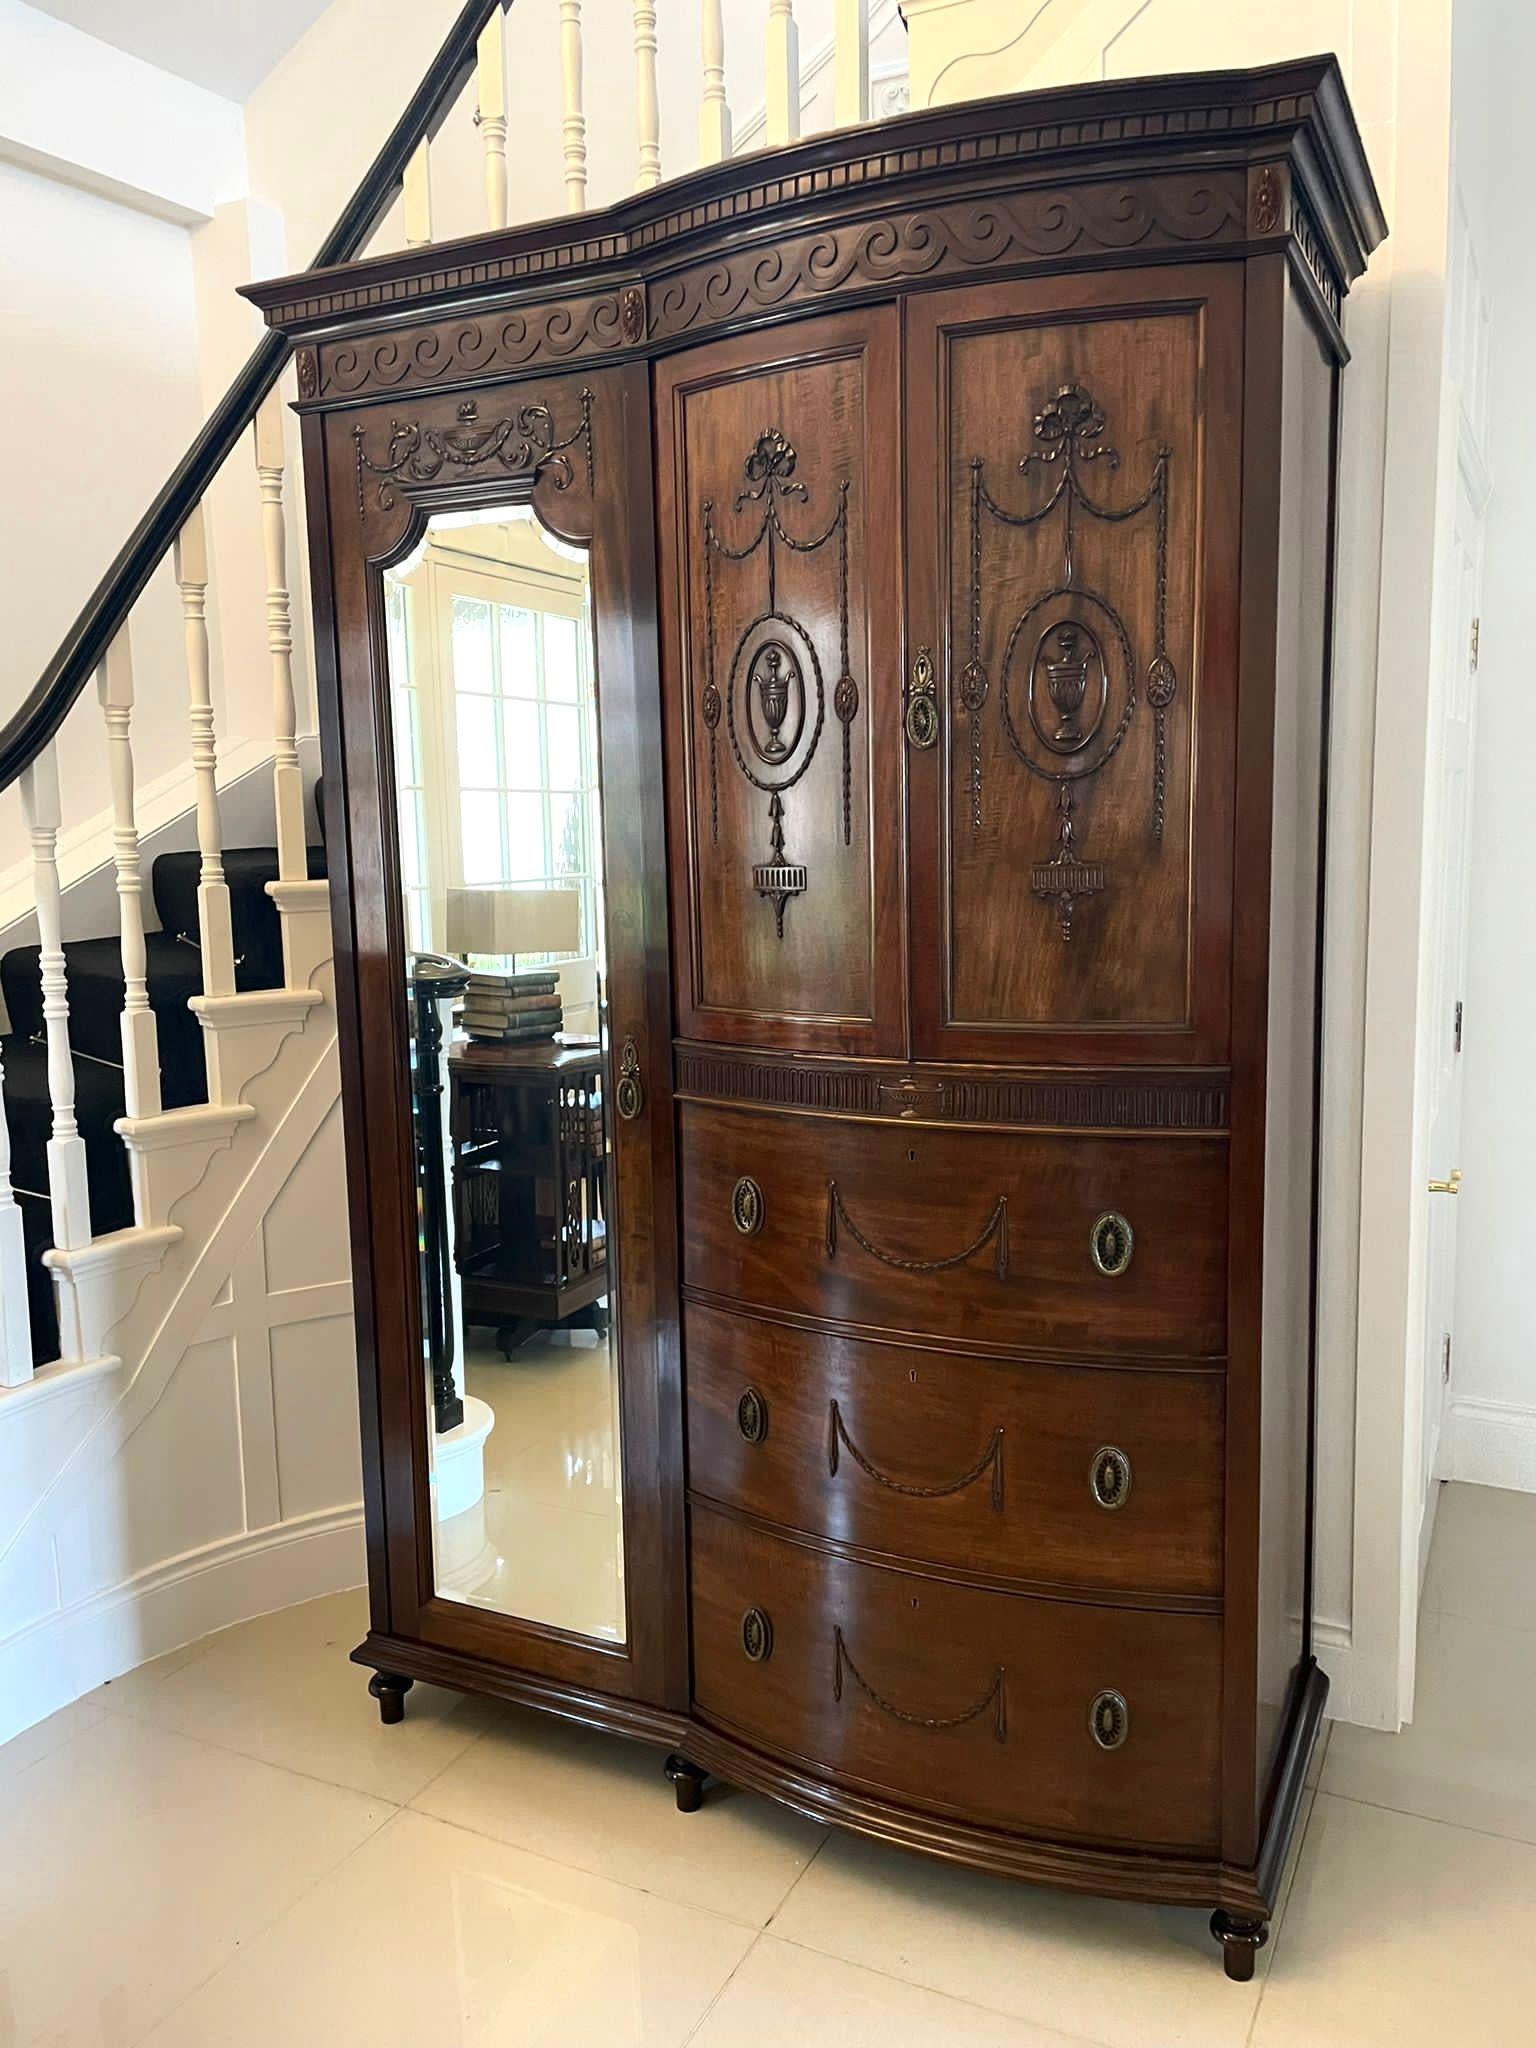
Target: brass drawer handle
<point>752,1416</point>
<point>747,1206</point>
<point>996,1226</point>
<point>922,717</point>
<point>1109,1476</point>
<point>757,1635</point>
<point>629,1095</point>
<point>1112,1243</point>
<point>1109,1719</point>
<point>991,1459</point>
<point>995,1696</point>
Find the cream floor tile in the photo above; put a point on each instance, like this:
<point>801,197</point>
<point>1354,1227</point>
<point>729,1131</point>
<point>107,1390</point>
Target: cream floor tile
<point>1123,1975</point>
<point>134,1862</point>
<point>1469,1754</point>
<point>783,1993</point>
<point>43,1737</point>
<point>604,1806</point>
<point>432,1937</point>
<point>1482,1563</point>
<point>283,1689</point>
<point>1403,1933</point>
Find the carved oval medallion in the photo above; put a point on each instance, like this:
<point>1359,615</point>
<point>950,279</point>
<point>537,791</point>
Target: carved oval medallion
<point>1068,686</point>
<point>775,703</point>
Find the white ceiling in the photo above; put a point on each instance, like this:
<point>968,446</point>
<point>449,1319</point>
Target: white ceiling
<point>228,46</point>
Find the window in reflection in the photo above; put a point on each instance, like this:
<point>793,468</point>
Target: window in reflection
<point>493,697</point>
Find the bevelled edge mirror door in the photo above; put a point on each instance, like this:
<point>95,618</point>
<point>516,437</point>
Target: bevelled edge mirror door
<point>522,1367</point>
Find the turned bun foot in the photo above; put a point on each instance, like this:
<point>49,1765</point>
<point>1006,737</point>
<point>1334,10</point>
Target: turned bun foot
<point>390,1693</point>
<point>1241,1938</point>
<point>687,1783</point>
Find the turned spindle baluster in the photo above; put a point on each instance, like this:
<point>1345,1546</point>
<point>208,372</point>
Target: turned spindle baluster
<point>783,74</point>
<point>416,195</point>
<point>714,110</point>
<point>573,123</point>
<point>850,103</point>
<point>287,782</point>
<point>491,86</point>
<point>68,1192</point>
<point>15,1330</point>
<point>647,102</point>
<point>141,1044</point>
<point>215,932</point>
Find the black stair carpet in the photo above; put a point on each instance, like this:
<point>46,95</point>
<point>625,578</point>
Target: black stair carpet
<point>95,973</point>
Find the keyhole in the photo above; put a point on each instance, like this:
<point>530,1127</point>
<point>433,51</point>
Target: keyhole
<point>912,1159</point>
<point>912,1376</point>
<point>914,1604</point>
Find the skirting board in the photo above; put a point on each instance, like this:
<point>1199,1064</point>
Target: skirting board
<point>1492,1443</point>
<point>72,1651</point>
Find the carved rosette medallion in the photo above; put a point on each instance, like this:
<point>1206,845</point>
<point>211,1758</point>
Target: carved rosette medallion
<point>773,703</point>
<point>524,442</point>
<point>1068,678</point>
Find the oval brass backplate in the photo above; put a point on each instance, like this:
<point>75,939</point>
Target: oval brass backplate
<point>747,1206</point>
<point>757,1635</point>
<point>1110,1476</point>
<point>1109,1720</point>
<point>922,716</point>
<point>1111,1243</point>
<point>752,1416</point>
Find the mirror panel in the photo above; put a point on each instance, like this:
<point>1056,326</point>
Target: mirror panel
<point>493,697</point>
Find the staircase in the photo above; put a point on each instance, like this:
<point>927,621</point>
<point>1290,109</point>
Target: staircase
<point>164,1086</point>
<point>97,988</point>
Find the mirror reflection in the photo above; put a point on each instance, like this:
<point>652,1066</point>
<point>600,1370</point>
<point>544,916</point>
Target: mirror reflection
<point>493,699</point>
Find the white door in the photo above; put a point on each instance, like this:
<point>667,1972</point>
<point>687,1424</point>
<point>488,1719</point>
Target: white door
<point>1447,966</point>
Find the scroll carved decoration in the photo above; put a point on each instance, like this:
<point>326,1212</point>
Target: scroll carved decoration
<point>995,1227</point>
<point>1068,656</point>
<point>523,442</point>
<point>773,701</point>
<point>995,1696</point>
<point>991,1460</point>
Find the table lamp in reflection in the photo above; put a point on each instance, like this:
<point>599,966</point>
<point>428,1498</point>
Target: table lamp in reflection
<point>504,924</point>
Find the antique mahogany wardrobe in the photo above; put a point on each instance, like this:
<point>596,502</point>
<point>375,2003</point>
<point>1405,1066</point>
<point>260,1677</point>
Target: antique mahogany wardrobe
<point>844,639</point>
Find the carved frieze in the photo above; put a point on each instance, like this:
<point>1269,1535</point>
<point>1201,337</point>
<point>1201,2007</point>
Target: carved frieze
<point>1194,1103</point>
<point>553,332</point>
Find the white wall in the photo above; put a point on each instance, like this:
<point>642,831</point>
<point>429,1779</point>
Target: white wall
<point>99,370</point>
<point>1493,1381</point>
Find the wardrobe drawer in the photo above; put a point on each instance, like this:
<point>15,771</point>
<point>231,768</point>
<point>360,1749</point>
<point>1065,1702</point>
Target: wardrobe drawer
<point>1096,1722</point>
<point>984,1235</point>
<point>1093,1476</point>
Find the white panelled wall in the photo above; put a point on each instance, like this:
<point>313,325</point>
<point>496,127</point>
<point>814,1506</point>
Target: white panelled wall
<point>1491,1434</point>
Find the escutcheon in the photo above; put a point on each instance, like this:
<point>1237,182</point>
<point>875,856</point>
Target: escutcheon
<point>1112,1242</point>
<point>629,1095</point>
<point>922,719</point>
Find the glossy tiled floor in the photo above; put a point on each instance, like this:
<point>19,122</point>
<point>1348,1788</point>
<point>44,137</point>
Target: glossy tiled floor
<point>227,1849</point>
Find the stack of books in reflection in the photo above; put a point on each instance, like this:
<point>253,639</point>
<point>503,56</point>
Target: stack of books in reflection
<point>512,1008</point>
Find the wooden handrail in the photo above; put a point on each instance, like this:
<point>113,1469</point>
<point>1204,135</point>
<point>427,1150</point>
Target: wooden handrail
<point>84,647</point>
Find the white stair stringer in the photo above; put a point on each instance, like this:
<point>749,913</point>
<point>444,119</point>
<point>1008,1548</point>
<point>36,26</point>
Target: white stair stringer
<point>211,1174</point>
